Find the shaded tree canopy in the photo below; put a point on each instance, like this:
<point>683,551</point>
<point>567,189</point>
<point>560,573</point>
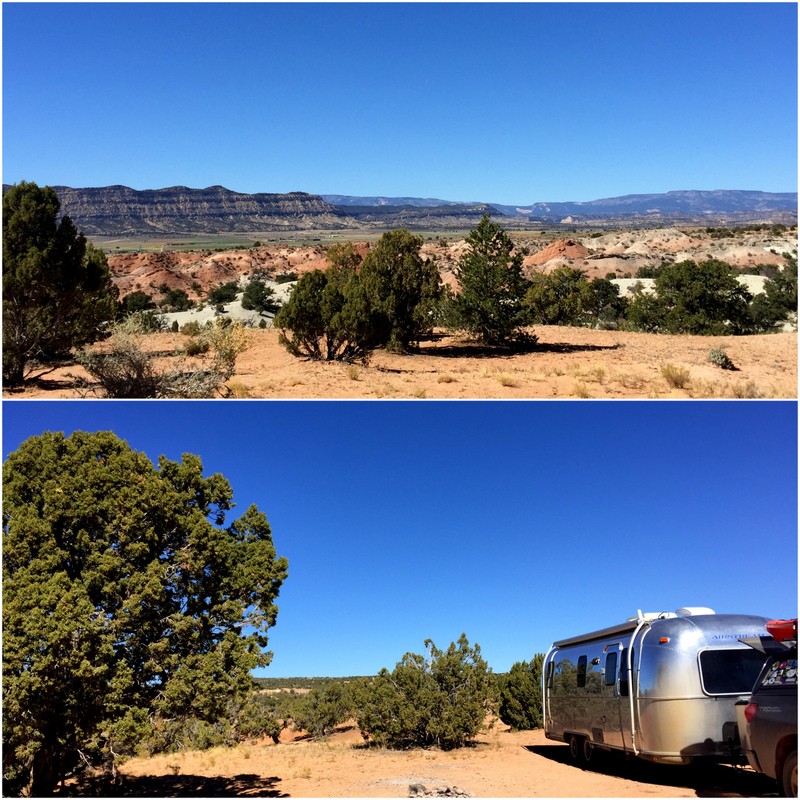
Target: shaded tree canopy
<point>57,289</point>
<point>128,603</point>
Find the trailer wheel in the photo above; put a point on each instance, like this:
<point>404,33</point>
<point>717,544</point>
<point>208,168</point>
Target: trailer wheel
<point>587,750</point>
<point>788,778</point>
<point>574,748</point>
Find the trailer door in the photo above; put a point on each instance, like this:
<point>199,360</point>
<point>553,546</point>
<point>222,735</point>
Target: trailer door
<point>612,702</point>
<point>624,689</point>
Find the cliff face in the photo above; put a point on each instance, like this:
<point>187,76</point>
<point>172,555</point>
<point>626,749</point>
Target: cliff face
<point>178,209</point>
<point>121,211</point>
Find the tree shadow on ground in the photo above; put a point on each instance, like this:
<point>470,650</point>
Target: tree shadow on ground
<point>706,780</point>
<point>176,786</point>
<point>478,350</point>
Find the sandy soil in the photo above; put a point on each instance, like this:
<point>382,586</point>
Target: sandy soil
<point>566,363</point>
<point>500,764</point>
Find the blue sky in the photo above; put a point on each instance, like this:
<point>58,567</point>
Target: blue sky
<point>516,523</point>
<point>509,103</point>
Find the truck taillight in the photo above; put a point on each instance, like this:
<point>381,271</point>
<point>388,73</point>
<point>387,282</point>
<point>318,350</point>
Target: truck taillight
<point>750,711</point>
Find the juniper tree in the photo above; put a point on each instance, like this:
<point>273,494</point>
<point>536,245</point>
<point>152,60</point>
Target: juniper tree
<point>57,289</point>
<point>259,297</point>
<point>329,317</point>
<point>128,604</point>
<point>403,289</point>
<point>701,298</point>
<point>521,695</point>
<point>439,700</point>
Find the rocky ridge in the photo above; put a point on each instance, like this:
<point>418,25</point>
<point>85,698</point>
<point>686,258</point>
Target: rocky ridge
<point>122,211</point>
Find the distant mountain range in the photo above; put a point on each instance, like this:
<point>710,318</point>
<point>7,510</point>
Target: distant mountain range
<point>692,202</point>
<point>120,211</point>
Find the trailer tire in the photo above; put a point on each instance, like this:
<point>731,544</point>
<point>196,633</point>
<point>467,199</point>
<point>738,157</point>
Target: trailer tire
<point>788,777</point>
<point>575,749</point>
<point>587,751</point>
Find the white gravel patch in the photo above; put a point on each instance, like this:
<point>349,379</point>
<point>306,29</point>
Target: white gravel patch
<point>233,310</point>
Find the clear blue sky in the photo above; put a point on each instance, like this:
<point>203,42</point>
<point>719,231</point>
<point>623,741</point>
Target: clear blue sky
<point>510,103</point>
<point>516,523</point>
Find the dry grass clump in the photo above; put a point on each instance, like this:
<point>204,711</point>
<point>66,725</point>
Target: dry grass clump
<point>593,374</point>
<point>506,379</point>
<point>676,377</point>
<point>746,390</point>
<point>580,389</point>
<point>126,369</point>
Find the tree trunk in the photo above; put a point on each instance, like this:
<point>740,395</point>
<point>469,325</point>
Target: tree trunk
<point>45,772</point>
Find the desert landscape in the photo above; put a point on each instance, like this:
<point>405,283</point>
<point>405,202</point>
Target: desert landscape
<point>566,362</point>
<point>144,264</point>
<point>499,763</point>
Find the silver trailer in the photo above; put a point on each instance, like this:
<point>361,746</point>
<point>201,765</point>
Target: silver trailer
<point>662,686</point>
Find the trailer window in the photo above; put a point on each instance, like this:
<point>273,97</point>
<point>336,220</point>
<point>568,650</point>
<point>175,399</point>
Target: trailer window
<point>623,673</point>
<point>730,671</point>
<point>610,676</point>
<point>581,671</point>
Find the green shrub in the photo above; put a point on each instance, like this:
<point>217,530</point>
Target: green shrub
<point>520,694</point>
<point>191,328</point>
<point>196,347</point>
<point>176,300</point>
<point>401,289</point>
<point>720,358</point>
<point>328,317</point>
<point>224,293</point>
<point>136,301</point>
<point>259,297</point>
<point>127,371</point>
<point>257,717</point>
<point>700,298</point>
<point>325,707</point>
<point>778,302</point>
<point>436,700</point>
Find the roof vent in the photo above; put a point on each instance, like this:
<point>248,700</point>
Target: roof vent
<point>649,616</point>
<point>694,611</point>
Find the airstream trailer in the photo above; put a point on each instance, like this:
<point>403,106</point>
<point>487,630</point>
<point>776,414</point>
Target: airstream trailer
<point>661,686</point>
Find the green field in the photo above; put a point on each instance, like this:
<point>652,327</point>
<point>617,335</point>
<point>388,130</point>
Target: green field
<point>113,245</point>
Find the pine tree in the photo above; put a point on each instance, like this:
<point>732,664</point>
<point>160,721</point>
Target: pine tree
<point>490,304</point>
